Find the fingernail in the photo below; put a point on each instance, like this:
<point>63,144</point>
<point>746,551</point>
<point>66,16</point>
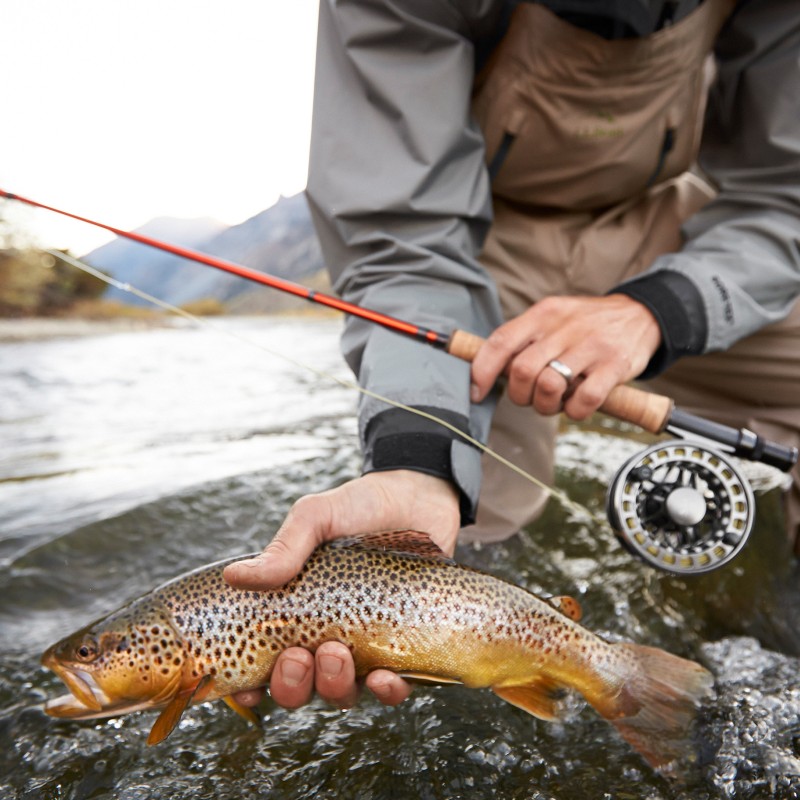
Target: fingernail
<point>474,393</point>
<point>331,666</point>
<point>293,672</point>
<point>252,563</point>
<point>381,690</point>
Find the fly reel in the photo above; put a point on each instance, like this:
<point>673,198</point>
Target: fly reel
<point>681,507</point>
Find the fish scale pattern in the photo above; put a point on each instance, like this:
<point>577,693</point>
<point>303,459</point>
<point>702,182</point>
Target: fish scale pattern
<point>407,611</point>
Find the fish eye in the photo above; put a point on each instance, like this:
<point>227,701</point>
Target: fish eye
<point>87,650</point>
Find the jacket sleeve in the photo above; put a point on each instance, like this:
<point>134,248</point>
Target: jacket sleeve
<point>740,267</point>
<point>400,200</point>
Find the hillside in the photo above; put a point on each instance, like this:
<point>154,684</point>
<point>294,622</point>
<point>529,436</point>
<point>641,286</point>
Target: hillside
<point>279,241</point>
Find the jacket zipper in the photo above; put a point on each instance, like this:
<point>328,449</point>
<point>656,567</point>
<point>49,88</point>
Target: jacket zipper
<point>666,147</point>
<point>501,154</point>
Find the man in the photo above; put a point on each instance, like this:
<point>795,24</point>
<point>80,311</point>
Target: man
<point>528,174</point>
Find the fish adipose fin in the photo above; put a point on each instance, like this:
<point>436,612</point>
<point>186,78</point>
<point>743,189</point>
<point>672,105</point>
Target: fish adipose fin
<point>171,715</point>
<point>243,711</point>
<point>657,706</point>
<point>568,606</point>
<point>415,543</point>
<point>541,697</point>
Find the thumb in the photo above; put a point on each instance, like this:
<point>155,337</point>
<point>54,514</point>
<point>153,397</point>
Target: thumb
<point>283,558</point>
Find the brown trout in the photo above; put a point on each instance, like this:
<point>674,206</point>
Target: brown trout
<point>398,603</point>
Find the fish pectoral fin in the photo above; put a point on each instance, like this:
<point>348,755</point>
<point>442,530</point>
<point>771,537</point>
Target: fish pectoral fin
<point>243,711</point>
<point>172,713</point>
<point>540,697</point>
<point>568,606</point>
<point>431,680</point>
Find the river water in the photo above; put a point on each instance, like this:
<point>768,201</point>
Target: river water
<point>127,458</point>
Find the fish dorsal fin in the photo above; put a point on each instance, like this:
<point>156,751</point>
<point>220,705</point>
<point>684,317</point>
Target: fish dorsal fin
<point>172,713</point>
<point>568,606</point>
<point>416,543</point>
<point>541,697</point>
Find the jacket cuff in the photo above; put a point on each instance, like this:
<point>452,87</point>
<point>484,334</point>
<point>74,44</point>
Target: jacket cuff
<point>395,439</point>
<point>678,307</point>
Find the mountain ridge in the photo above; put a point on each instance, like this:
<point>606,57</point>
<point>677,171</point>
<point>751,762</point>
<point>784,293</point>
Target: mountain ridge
<point>279,241</point>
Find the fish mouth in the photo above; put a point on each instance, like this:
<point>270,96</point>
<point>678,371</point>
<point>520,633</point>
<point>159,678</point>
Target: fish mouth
<point>86,699</point>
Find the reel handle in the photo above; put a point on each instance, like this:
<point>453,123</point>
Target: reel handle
<point>651,412</point>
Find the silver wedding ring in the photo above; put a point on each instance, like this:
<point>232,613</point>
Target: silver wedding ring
<point>562,369</point>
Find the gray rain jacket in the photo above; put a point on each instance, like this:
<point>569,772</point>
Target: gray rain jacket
<point>401,200</point>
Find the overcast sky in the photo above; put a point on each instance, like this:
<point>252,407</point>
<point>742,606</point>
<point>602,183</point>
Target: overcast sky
<point>127,111</point>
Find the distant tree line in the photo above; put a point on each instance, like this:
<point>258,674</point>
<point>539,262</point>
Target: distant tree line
<point>34,283</point>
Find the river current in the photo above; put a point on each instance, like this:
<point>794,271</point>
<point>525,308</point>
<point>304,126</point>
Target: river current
<point>127,458</point>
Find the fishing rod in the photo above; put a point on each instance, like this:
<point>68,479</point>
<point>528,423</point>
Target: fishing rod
<point>654,413</point>
<point>692,521</point>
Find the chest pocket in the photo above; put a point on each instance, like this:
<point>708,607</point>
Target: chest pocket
<point>573,121</point>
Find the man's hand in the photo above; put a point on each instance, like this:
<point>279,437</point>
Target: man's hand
<point>379,501</point>
<point>605,341</point>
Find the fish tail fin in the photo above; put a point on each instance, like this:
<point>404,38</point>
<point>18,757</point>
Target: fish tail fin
<point>656,708</point>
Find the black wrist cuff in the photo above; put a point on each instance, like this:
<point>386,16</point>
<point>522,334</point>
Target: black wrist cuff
<point>396,439</point>
<point>678,307</point>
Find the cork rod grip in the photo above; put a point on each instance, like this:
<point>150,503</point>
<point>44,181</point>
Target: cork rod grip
<point>651,412</point>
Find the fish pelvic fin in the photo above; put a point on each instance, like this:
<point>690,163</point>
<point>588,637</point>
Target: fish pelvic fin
<point>172,713</point>
<point>429,678</point>
<point>243,711</point>
<point>656,708</point>
<point>543,697</point>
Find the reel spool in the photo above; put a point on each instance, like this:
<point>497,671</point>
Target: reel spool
<point>681,507</point>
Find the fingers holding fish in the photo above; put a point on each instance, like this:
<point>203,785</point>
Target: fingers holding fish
<point>303,529</point>
<point>396,499</point>
<point>250,698</point>
<point>331,672</point>
<point>335,674</point>
<point>292,681</point>
<point>388,687</point>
